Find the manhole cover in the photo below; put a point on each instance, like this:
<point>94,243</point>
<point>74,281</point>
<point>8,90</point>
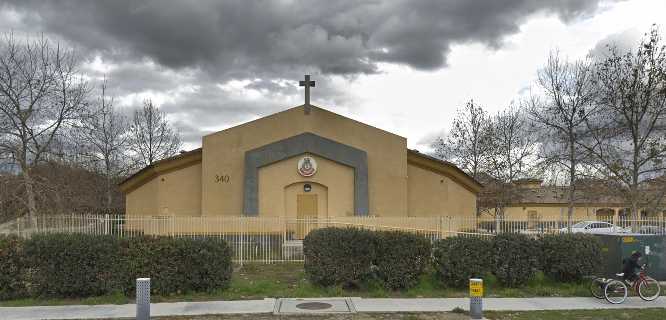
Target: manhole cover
<point>314,305</point>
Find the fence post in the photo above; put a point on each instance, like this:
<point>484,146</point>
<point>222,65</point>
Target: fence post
<point>475,298</point>
<point>143,299</point>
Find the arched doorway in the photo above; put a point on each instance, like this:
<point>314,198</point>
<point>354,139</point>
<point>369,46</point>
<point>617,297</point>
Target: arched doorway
<point>306,203</point>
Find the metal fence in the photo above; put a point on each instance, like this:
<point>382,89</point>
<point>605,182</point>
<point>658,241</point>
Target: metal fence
<point>277,239</point>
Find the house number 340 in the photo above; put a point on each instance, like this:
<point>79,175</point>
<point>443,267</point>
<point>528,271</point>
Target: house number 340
<point>222,178</point>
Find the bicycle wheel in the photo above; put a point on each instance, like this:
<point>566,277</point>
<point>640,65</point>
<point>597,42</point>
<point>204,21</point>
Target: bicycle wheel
<point>597,288</point>
<point>615,292</point>
<point>649,289</point>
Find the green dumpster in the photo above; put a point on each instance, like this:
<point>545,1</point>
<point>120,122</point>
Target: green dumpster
<point>616,247</point>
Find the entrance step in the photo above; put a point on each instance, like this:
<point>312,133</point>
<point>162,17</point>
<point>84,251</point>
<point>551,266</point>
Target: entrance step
<point>314,306</point>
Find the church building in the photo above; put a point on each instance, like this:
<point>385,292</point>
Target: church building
<point>303,162</point>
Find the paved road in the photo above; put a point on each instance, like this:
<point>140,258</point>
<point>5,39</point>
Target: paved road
<point>361,305</point>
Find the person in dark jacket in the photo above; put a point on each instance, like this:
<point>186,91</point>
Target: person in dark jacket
<point>630,267</point>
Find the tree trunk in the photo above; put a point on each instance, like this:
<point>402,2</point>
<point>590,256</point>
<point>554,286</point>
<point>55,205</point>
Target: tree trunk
<point>635,215</point>
<point>30,196</point>
<point>572,179</point>
<point>107,167</point>
<point>109,198</point>
<point>570,209</point>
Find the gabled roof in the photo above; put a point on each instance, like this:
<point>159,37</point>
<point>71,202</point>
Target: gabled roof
<point>446,168</point>
<point>312,106</point>
<point>144,175</point>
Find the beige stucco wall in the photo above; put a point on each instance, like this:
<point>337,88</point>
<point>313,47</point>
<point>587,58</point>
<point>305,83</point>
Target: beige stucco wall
<point>434,194</point>
<point>177,192</point>
<point>280,183</point>
<point>143,200</point>
<point>180,192</point>
<point>223,154</point>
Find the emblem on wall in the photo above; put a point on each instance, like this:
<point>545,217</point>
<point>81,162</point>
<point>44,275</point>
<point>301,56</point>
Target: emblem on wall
<point>307,166</point>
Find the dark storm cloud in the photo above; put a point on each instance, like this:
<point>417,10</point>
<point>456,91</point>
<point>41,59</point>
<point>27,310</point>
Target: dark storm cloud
<point>159,46</point>
<point>341,37</point>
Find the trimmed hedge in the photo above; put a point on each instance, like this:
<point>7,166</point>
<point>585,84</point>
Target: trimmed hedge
<point>338,256</point>
<point>73,265</point>
<point>515,258</point>
<point>401,258</point>
<point>11,266</point>
<point>570,257</point>
<point>177,265</point>
<point>76,265</point>
<point>348,256</point>
<point>457,259</point>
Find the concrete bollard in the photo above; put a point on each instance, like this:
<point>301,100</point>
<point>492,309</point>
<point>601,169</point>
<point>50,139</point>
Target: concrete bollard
<point>142,298</point>
<point>476,298</point>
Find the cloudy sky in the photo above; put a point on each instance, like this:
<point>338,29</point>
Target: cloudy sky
<point>403,66</point>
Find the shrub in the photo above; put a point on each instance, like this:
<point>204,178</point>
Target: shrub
<point>77,265</point>
<point>338,256</point>
<point>11,268</point>
<point>515,258</point>
<point>401,258</point>
<point>570,257</point>
<point>73,265</point>
<point>457,259</point>
<point>177,265</point>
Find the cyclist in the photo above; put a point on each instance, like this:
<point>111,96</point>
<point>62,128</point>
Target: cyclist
<point>630,267</point>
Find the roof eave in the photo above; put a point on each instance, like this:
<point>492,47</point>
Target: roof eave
<point>144,175</point>
<point>444,167</point>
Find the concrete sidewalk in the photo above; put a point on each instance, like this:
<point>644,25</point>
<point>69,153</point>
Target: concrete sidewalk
<point>360,304</point>
<point>499,304</point>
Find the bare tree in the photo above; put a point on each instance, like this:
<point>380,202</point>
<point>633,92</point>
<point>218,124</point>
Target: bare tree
<point>628,135</point>
<point>513,150</point>
<point>104,138</point>
<point>41,92</point>
<point>151,136</point>
<point>467,144</point>
<point>564,104</point>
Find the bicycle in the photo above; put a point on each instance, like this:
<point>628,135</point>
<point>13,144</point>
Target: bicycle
<point>615,291</point>
<point>597,287</point>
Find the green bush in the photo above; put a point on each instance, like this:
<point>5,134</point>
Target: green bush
<point>76,265</point>
<point>515,258</point>
<point>401,258</point>
<point>570,257</point>
<point>11,268</point>
<point>338,256</point>
<point>73,265</point>
<point>457,259</point>
<point>177,265</point>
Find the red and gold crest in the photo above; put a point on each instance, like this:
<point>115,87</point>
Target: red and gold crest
<point>307,166</point>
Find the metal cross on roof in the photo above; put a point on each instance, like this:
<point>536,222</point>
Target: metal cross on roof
<point>307,84</point>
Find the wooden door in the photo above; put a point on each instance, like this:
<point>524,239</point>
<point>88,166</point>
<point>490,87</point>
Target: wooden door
<point>306,213</point>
